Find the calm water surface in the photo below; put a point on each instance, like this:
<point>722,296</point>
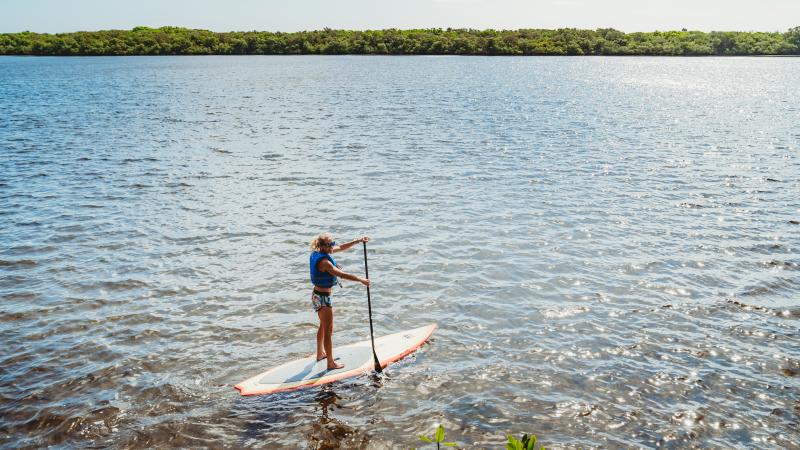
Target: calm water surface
<point>611,247</point>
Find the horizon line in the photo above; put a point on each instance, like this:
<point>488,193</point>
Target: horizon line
<point>684,29</point>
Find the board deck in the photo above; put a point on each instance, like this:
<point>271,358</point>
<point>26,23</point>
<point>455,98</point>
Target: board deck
<point>357,358</point>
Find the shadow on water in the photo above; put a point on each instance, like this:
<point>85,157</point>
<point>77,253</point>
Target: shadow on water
<point>267,415</point>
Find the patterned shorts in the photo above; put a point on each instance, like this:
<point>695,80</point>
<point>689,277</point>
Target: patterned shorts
<point>320,300</point>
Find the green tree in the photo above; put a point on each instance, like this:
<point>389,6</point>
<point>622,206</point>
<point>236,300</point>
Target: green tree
<point>792,39</point>
<point>143,40</point>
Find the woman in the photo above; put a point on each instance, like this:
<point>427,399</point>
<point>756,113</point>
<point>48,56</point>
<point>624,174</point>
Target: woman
<point>324,273</point>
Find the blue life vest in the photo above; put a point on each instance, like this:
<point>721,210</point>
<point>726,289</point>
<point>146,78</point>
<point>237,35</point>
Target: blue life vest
<point>318,277</point>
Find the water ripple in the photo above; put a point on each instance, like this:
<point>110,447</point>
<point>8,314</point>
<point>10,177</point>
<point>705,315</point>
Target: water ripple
<point>608,244</point>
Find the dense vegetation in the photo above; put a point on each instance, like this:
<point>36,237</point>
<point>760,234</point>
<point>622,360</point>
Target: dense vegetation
<point>435,41</point>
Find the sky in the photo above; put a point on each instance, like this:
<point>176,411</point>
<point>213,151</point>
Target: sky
<point>57,16</point>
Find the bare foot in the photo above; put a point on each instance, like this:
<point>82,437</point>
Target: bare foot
<point>335,366</point>
<point>321,357</point>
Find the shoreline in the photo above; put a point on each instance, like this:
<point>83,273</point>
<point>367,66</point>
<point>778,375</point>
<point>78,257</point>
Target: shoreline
<point>174,41</point>
<point>405,56</point>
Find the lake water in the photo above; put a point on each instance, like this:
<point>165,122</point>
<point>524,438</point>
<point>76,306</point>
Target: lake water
<point>611,248</point>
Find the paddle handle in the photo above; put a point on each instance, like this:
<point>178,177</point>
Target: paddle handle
<point>369,308</point>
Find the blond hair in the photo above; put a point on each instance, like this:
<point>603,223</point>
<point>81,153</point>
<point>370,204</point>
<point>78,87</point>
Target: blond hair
<point>315,243</point>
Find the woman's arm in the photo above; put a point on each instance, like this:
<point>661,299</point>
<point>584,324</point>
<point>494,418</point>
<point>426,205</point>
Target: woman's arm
<point>347,245</point>
<point>326,266</point>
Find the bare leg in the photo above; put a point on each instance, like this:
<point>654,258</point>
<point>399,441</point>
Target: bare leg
<point>320,333</point>
<point>326,325</point>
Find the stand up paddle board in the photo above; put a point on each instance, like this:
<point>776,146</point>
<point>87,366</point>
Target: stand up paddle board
<point>357,359</point>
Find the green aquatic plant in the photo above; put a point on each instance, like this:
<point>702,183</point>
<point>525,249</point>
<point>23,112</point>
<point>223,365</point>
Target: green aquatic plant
<point>527,443</point>
<point>438,438</point>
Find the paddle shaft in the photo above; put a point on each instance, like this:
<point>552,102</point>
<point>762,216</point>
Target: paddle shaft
<point>369,308</point>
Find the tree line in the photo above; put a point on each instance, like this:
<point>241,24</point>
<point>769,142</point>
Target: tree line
<point>434,41</point>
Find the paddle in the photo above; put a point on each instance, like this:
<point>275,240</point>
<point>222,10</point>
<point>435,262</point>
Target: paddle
<point>369,307</point>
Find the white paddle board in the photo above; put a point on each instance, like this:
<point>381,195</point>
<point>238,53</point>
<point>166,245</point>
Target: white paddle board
<point>357,359</point>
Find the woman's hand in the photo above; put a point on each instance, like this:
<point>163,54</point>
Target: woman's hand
<point>350,244</point>
<point>365,282</point>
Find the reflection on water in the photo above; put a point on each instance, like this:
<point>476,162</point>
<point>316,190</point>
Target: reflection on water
<point>609,246</point>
